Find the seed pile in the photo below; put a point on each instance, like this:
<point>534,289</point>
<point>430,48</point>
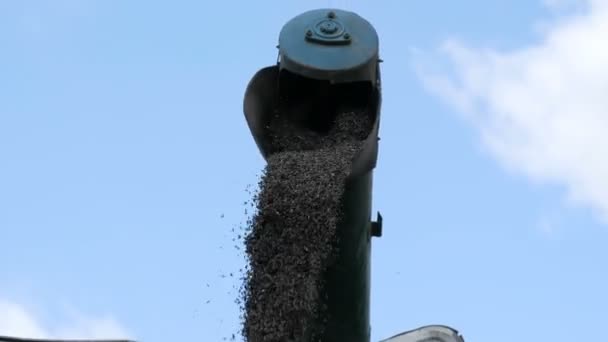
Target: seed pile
<point>291,238</point>
<point>349,126</point>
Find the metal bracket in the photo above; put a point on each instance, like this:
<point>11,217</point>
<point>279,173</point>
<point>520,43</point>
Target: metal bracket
<point>377,226</point>
<point>329,31</point>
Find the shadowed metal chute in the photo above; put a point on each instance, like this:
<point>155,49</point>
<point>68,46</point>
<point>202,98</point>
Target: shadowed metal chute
<point>328,63</point>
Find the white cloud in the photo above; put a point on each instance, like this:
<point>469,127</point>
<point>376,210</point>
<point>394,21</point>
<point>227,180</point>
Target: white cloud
<point>542,109</point>
<point>563,4</point>
<point>18,321</point>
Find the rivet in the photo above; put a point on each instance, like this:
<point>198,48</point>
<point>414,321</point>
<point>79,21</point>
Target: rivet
<point>309,33</point>
<point>347,35</point>
<point>331,15</point>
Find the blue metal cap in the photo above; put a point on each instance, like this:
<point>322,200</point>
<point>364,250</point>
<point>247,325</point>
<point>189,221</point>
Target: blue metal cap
<point>330,44</point>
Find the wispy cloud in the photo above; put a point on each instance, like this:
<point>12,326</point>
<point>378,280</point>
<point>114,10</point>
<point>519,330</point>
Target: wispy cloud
<point>542,109</point>
<point>16,320</point>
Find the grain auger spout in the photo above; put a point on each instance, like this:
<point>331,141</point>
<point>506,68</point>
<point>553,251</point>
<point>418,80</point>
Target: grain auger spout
<point>328,65</point>
<point>325,89</point>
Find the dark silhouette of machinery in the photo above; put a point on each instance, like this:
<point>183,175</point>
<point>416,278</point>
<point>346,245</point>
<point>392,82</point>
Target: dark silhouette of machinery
<point>329,62</point>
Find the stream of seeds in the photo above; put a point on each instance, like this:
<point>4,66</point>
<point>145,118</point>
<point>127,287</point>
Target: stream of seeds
<point>291,238</point>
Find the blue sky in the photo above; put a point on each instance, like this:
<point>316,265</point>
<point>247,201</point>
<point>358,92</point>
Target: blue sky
<point>124,160</point>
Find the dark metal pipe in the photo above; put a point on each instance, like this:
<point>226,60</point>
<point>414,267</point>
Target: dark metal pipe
<point>328,62</point>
